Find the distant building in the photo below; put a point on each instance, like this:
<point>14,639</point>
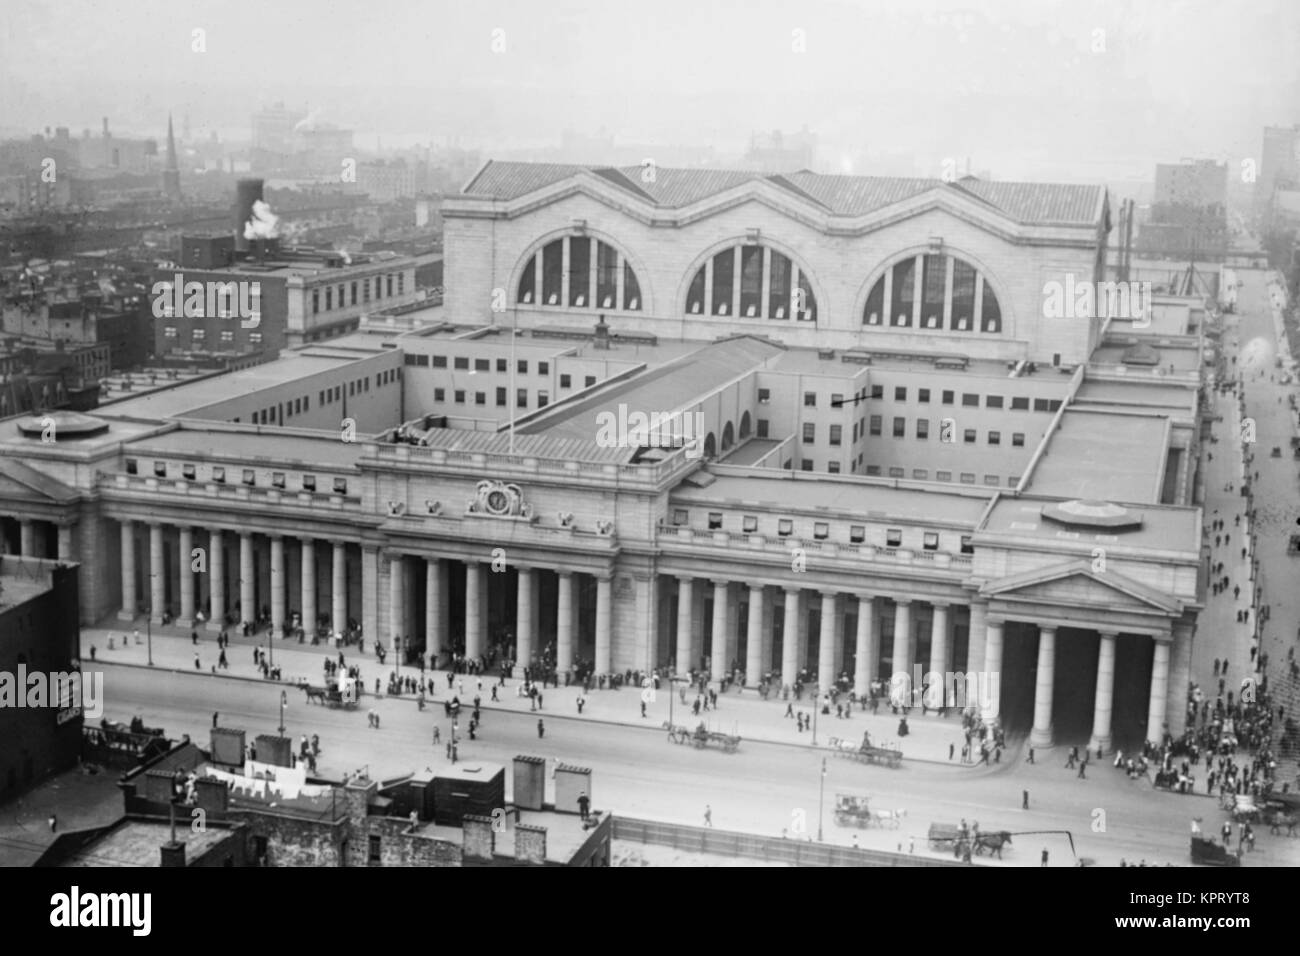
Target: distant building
<point>779,152</point>
<point>398,179</point>
<point>1189,212</point>
<point>1279,168</point>
<point>39,636</point>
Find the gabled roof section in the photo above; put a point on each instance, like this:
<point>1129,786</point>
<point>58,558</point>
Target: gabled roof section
<point>845,196</point>
<point>1135,590</point>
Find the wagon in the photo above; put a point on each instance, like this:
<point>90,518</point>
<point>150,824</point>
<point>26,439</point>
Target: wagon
<point>702,737</point>
<point>945,836</point>
<point>333,694</point>
<point>1244,809</point>
<point>852,810</point>
<point>890,755</point>
<point>1212,854</point>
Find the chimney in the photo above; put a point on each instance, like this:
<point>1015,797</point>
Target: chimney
<point>173,854</point>
<point>480,840</point>
<point>530,844</point>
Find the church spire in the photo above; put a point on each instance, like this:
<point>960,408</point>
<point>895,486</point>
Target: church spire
<point>171,174</point>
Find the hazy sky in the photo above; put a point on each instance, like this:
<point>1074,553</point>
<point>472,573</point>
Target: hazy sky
<point>1015,84</point>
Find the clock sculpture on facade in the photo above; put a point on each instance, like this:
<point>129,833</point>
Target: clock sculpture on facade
<point>498,499</point>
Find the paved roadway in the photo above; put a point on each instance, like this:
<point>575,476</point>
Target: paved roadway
<point>637,772</point>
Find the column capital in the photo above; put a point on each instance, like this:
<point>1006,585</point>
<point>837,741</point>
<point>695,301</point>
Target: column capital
<point>684,578</point>
<point>603,577</point>
<point>562,574</point>
<point>719,583</point>
<point>760,588</point>
<point>995,621</point>
<point>791,591</point>
<point>866,597</point>
<point>1107,633</point>
<point>903,602</point>
<point>1047,628</point>
<point>831,593</point>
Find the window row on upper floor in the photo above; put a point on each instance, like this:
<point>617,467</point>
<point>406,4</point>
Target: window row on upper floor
<point>217,475</point>
<point>844,532</point>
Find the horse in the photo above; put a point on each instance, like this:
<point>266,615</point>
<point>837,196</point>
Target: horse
<point>993,842</point>
<point>1281,819</point>
<point>314,693</point>
<point>891,817</point>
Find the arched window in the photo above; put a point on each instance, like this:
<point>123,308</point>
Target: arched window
<point>751,281</point>
<point>933,292</point>
<point>728,436</point>
<point>744,425</point>
<point>597,277</point>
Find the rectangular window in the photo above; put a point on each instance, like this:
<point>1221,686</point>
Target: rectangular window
<point>900,427</point>
<point>354,292</point>
<point>132,466</point>
<point>995,438</point>
<point>439,394</point>
<point>277,479</point>
<point>315,301</point>
<point>947,397</point>
<point>875,424</point>
<point>589,381</point>
<point>543,399</point>
<point>837,400</point>
<point>1018,439</point>
<point>521,398</point>
<point>254,338</point>
<point>920,474</point>
<point>715,520</point>
<point>521,366</point>
<point>1054,404</point>
<point>249,477</point>
<point>837,432</point>
<point>308,484</point>
<point>461,361</point>
<point>199,334</point>
<point>480,398</point>
<point>1019,403</point>
<point>376,844</point>
<point>930,541</point>
<point>750,524</point>
<point>967,478</point>
<point>160,469</point>
<point>900,393</point>
<point>340,486</point>
<point>809,432</point>
<point>857,533</point>
<point>501,397</point>
<point>439,361</point>
<point>992,480</point>
<point>970,436</point>
<point>785,527</point>
<point>543,368</point>
<point>992,401</point>
<point>894,537</point>
<point>680,517</point>
<point>329,298</point>
<point>923,428</point>
<point>482,365</point>
<point>764,396</point>
<point>169,332</point>
<point>970,400</point>
<point>923,395</point>
<point>1040,405</point>
<point>459,396</point>
<point>895,472</point>
<point>763,425</point>
<point>943,476</point>
<point>821,530</point>
<point>810,399</point>
<point>219,474</point>
<point>873,471</point>
<point>877,391</point>
<point>188,472</point>
<point>564,381</point>
<point>833,467</point>
<point>503,365</point>
<point>967,546</point>
<point>806,464</point>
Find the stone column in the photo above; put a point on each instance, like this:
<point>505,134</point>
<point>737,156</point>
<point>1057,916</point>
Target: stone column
<point>978,638</point>
<point>604,593</point>
<point>901,662</point>
<point>397,599</point>
<point>1041,735</point>
<point>864,672</point>
<point>435,624</point>
<point>128,572</point>
<point>719,652</point>
<point>826,648</point>
<point>157,573</point>
<point>790,639</point>
<point>339,589</point>
<point>754,637</point>
<point>473,609</point>
<point>564,624</point>
<point>938,656</point>
<point>1101,708</point>
<point>277,586</point>
<point>185,564</point>
<point>991,684</point>
<point>685,646</point>
<point>247,580</point>
<point>65,543</point>
<point>27,538</point>
<point>1159,692</point>
<point>217,581</point>
<point>308,576</point>
<point>524,622</point>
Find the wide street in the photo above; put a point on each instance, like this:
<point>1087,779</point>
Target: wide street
<point>760,789</point>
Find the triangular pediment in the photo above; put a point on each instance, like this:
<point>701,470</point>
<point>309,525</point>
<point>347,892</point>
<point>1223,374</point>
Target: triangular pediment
<point>21,482</point>
<point>1076,584</point>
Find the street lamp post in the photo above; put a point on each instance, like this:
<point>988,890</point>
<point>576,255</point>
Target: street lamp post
<point>284,699</point>
<point>817,705</point>
<point>821,799</point>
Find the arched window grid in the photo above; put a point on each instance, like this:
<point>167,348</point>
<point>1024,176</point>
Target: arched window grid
<point>934,292</point>
<point>579,272</point>
<point>751,281</point>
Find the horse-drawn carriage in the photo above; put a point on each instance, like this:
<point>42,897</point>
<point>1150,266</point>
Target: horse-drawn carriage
<point>855,810</point>
<point>336,692</point>
<point>1243,807</point>
<point>701,737</point>
<point>945,836</point>
<point>1212,854</point>
<point>866,752</point>
<point>1174,780</point>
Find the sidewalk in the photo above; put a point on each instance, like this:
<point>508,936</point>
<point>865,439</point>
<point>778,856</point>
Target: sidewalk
<point>743,713</point>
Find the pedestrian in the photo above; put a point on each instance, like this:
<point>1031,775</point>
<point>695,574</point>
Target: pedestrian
<point>643,708</point>
<point>1083,765</point>
<point>708,815</point>
<point>197,665</point>
<point>1216,660</point>
<point>911,844</point>
<point>951,749</point>
<point>1030,758</point>
<point>539,701</point>
<point>54,822</point>
<point>437,734</point>
<point>584,804</point>
<point>1044,856</point>
<point>541,729</point>
<point>194,637</point>
<point>1024,799</point>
